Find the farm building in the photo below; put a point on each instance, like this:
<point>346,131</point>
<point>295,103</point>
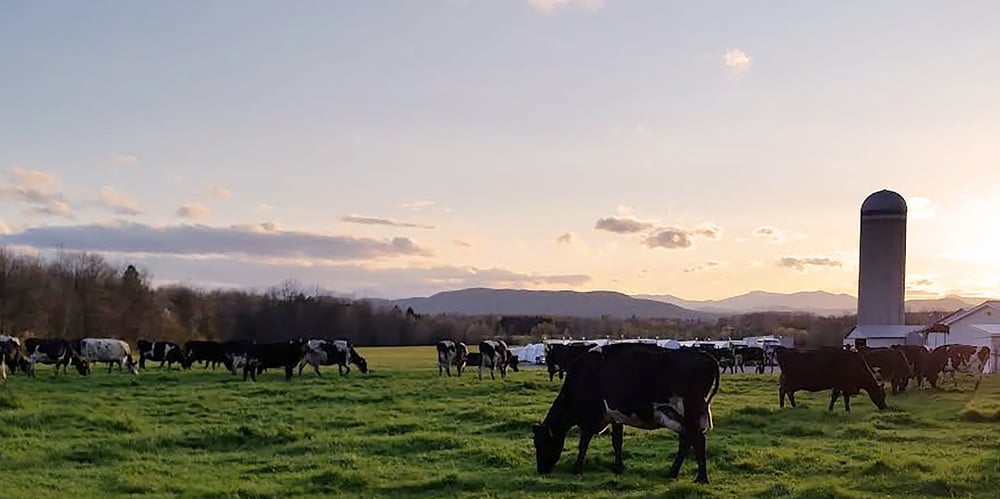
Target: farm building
<point>977,326</point>
<point>875,336</point>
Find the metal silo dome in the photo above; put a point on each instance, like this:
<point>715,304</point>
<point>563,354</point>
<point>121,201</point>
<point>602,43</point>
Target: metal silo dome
<point>884,202</point>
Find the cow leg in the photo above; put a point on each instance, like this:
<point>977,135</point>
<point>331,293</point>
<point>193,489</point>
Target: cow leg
<point>699,454</point>
<point>781,397</point>
<point>682,449</point>
<point>492,369</point>
<point>833,398</point>
<point>480,372</point>
<point>316,369</point>
<point>979,379</point>
<point>617,437</point>
<point>289,371</point>
<point>847,402</point>
<point>552,374</point>
<point>791,398</point>
<point>440,369</point>
<point>585,436</point>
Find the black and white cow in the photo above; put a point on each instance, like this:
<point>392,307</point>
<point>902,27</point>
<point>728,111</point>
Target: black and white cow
<point>451,353</point>
<point>14,356</point>
<point>319,352</point>
<point>57,352</point>
<point>495,355</point>
<point>108,350</point>
<point>634,384</point>
<point>163,351</point>
<point>966,359</point>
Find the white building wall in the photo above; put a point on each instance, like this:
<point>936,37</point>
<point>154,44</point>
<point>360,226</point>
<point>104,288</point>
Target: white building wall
<point>961,332</point>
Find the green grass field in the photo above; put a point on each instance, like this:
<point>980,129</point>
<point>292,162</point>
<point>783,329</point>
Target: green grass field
<point>403,431</point>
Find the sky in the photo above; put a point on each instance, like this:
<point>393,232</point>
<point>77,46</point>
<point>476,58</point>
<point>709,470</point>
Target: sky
<point>393,149</point>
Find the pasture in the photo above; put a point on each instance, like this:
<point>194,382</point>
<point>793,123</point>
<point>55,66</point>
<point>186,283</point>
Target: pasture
<point>401,431</point>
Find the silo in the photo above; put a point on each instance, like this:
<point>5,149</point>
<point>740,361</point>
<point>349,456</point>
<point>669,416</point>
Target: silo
<point>882,272</point>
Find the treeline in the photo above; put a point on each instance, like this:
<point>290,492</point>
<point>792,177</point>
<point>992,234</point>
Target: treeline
<point>75,295</point>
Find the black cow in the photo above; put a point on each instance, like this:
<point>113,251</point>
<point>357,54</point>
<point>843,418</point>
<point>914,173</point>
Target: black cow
<point>475,359</point>
<point>327,353</point>
<point>824,369</point>
<point>750,356</point>
<point>209,352</point>
<point>163,351</point>
<point>496,355</point>
<point>54,351</point>
<point>639,385</point>
<point>451,353</point>
<point>891,366</point>
<point>918,357</point>
<point>261,356</point>
<point>559,357</point>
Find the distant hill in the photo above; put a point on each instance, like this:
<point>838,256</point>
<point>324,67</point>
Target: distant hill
<point>484,301</point>
<point>817,302</point>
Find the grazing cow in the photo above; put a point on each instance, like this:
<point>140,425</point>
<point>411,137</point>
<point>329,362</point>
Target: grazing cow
<point>959,358</point>
<point>475,359</point>
<point>634,384</point>
<point>918,357</point>
<point>559,357</point>
<point>164,351</point>
<point>815,370</point>
<point>112,351</point>
<point>57,352</point>
<point>15,357</point>
<point>210,352</point>
<point>750,356</point>
<point>890,365</point>
<point>327,353</point>
<point>451,353</point>
<point>261,356</point>
<point>496,355</point>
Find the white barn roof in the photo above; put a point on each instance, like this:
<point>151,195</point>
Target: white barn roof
<point>961,314</point>
<point>874,331</point>
<point>988,329</point>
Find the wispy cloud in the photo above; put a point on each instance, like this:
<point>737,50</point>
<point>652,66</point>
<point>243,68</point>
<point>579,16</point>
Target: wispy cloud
<point>40,190</point>
<point>220,192</point>
<point>776,235</point>
<point>461,243</point>
<point>123,159</point>
<point>118,202</point>
<point>550,6</point>
<point>669,238</point>
<point>800,263</point>
<point>192,240</point>
<point>566,238</point>
<point>354,219</point>
<point>918,208</point>
<point>622,225</point>
<point>736,60</point>
<point>417,205</point>
<point>193,211</point>
<point>709,265</point>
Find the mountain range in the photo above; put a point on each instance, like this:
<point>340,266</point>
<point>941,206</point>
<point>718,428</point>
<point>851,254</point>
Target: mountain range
<point>487,301</point>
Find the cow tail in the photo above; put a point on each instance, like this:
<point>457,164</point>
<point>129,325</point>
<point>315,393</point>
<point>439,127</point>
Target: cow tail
<point>715,388</point>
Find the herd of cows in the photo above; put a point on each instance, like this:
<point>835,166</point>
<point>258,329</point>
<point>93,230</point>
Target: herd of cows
<point>252,358</point>
<point>606,386</point>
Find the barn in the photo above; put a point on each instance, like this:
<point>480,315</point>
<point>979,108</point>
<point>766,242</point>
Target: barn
<point>885,335</point>
<point>977,326</point>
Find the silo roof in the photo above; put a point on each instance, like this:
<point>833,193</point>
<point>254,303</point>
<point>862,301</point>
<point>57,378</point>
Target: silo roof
<point>884,202</point>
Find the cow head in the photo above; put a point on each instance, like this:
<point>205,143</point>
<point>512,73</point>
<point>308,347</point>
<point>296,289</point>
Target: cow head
<point>513,363</point>
<point>359,361</point>
<point>81,364</point>
<point>133,367</point>
<point>548,447</point>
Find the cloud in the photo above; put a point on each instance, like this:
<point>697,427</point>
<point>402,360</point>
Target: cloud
<point>918,208</point>
<point>118,202</point>
<point>922,285</point>
<point>709,265</point>
<point>4,228</point>
<point>566,238</point>
<point>550,6</point>
<point>775,235</point>
<point>261,241</point>
<point>417,205</point>
<point>622,225</point>
<point>220,192</point>
<point>801,263</point>
<point>736,60</point>
<point>461,243</point>
<point>123,159</point>
<point>707,231</point>
<point>39,189</point>
<point>193,211</point>
<point>669,238</point>
<point>383,221</point>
